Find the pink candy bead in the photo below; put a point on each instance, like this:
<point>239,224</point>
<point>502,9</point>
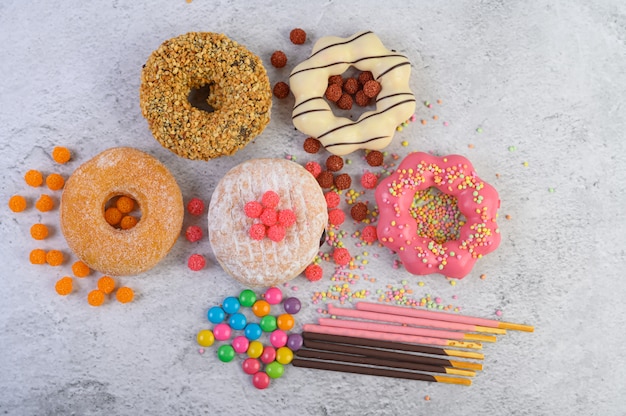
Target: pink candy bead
<point>222,332</point>
<point>273,296</point>
<point>269,354</point>
<point>278,338</point>
<point>240,344</point>
<point>251,366</point>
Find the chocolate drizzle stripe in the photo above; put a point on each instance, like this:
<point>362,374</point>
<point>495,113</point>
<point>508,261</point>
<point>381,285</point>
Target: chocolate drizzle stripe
<point>392,68</point>
<point>354,62</point>
<point>379,99</point>
<point>341,43</point>
<point>361,142</point>
<point>306,101</point>
<point>365,118</point>
<point>309,111</point>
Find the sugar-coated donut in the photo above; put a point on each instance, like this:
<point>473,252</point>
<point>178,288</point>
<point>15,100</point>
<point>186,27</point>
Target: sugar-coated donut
<point>239,94</point>
<point>263,261</point>
<point>332,56</point>
<point>477,201</point>
<point>109,250</point>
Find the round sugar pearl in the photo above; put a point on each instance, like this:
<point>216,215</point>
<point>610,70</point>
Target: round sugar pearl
<point>222,332</point>
<point>240,344</point>
<point>255,349</point>
<point>231,304</point>
<point>273,296</point>
<point>268,323</point>
<point>237,321</point>
<point>278,338</point>
<point>226,353</point>
<point>294,342</point>
<point>260,380</point>
<point>275,369</point>
<point>292,305</point>
<point>206,338</point>
<point>285,321</point>
<point>251,366</point>
<point>284,355</point>
<point>269,354</point>
<point>261,308</point>
<point>253,331</point>
<point>216,315</point>
<point>247,298</point>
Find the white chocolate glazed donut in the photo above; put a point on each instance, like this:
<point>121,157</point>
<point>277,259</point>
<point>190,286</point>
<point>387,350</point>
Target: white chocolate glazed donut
<point>332,55</point>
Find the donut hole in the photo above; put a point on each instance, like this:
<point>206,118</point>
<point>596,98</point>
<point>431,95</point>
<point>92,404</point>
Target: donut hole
<point>358,107</point>
<point>122,212</point>
<point>198,98</point>
<point>437,215</point>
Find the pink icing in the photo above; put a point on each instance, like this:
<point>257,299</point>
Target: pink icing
<point>477,201</point>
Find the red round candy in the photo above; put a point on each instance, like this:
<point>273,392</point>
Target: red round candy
<point>269,216</point>
<point>195,206</point>
<point>196,262</point>
<point>369,234</point>
<point>193,233</point>
<point>313,272</point>
<point>369,180</point>
<point>261,380</point>
<point>286,217</point>
<point>341,256</point>
<point>336,217</point>
<point>270,199</point>
<point>253,209</point>
<point>276,233</point>
<point>269,354</point>
<point>257,231</point>
<point>314,168</point>
<point>251,366</point>
<point>332,199</point>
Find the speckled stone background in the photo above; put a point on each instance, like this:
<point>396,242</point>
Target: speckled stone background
<point>544,80</point>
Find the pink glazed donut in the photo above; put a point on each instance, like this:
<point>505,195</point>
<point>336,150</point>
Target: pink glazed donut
<point>477,201</point>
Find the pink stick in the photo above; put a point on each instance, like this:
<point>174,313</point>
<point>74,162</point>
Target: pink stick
<point>395,329</point>
<point>416,313</point>
<point>385,336</point>
<point>386,317</point>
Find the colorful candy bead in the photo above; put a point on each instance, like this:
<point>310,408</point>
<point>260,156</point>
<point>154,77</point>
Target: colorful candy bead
<point>222,332</point>
<point>216,315</point>
<point>253,331</point>
<point>237,321</point>
<point>273,296</point>
<point>205,338</point>
<point>284,355</point>
<point>261,308</point>
<point>275,369</point>
<point>295,342</point>
<point>278,338</point>
<point>251,366</point>
<point>292,305</point>
<point>231,305</point>
<point>240,344</point>
<point>247,298</point>
<point>268,323</point>
<point>255,349</point>
<point>261,380</point>
<point>285,322</point>
<point>226,353</point>
<point>269,354</point>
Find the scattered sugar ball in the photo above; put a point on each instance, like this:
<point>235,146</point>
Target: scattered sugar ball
<point>313,272</point>
<point>270,199</point>
<point>257,231</point>
<point>345,102</point>
<point>371,88</point>
<point>39,231</point>
<point>253,209</point>
<point>55,182</point>
<point>369,234</point>
<point>278,59</point>
<point>286,217</point>
<point>128,222</point>
<point>325,179</point>
<point>341,256</point>
<point>33,178</point>
<point>45,203</point>
<point>125,204</point>
<point>297,36</point>
<point>38,256</point>
<point>358,212</point>
<point>335,79</point>
<point>374,158</point>
<point>334,163</point>
<point>269,216</point>
<point>80,269</point>
<point>196,262</point>
<point>281,90</point>
<point>193,233</point>
<point>369,180</point>
<point>54,258</point>
<point>195,206</point>
<point>361,99</point>
<point>124,294</point>
<point>311,145</point>
<point>333,92</point>
<point>64,286</point>
<point>106,284</point>
<point>332,199</point>
<point>336,217</point>
<point>61,154</point>
<point>314,168</point>
<point>343,181</point>
<point>17,203</point>
<point>364,77</point>
<point>96,297</point>
<point>276,233</point>
<point>113,216</point>
<point>351,86</point>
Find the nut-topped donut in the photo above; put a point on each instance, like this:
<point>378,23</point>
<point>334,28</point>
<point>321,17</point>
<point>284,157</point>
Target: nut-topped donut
<point>333,55</point>
<point>238,94</point>
<point>399,231</point>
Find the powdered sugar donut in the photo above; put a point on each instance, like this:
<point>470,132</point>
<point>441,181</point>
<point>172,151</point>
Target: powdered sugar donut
<point>265,248</point>
<point>477,201</point>
<point>332,55</point>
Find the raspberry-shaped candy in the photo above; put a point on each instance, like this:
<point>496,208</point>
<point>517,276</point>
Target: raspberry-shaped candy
<point>253,209</point>
<point>270,199</point>
<point>195,206</point>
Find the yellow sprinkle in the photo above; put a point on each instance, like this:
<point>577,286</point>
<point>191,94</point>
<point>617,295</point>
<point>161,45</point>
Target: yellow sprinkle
<point>525,164</point>
<point>405,143</point>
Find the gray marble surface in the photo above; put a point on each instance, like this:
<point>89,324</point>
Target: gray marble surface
<point>533,94</point>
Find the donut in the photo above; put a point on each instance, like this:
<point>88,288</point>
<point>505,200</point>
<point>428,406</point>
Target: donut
<point>477,201</point>
<point>113,251</point>
<point>332,55</point>
<point>255,261</point>
<point>229,82</point>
